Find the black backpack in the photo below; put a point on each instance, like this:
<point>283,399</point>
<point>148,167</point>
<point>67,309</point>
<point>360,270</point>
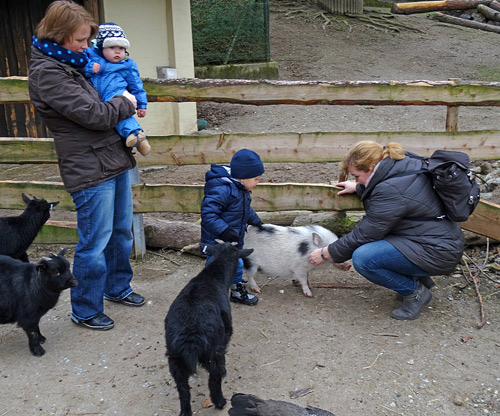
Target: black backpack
<point>453,182</point>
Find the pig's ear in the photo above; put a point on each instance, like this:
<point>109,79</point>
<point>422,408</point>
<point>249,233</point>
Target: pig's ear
<point>317,240</point>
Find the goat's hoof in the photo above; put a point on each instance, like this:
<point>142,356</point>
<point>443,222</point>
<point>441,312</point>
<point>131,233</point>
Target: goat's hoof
<point>37,351</point>
<point>219,404</point>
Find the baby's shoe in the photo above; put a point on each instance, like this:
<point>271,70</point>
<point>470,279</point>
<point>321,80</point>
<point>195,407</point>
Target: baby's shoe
<point>139,140</point>
<point>239,294</point>
<point>144,147</point>
<point>132,140</point>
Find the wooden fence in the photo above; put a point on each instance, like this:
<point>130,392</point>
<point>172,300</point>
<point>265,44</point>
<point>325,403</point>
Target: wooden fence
<point>274,147</point>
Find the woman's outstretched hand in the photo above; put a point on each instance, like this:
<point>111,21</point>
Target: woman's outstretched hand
<point>349,187</point>
<point>314,257</point>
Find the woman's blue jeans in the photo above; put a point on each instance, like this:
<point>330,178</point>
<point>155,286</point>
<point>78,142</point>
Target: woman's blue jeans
<point>381,263</point>
<point>102,256</point>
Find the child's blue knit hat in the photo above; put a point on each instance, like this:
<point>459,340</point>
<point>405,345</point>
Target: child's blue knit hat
<point>246,164</point>
<point>110,34</point>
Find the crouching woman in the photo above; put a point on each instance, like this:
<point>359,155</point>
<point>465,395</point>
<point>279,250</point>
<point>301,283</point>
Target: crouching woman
<point>400,242</point>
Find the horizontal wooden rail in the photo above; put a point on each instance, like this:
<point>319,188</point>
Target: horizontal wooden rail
<point>187,198</point>
<point>265,92</point>
<point>266,197</point>
<point>273,147</point>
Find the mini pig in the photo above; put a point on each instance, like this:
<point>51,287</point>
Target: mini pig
<point>282,252</point>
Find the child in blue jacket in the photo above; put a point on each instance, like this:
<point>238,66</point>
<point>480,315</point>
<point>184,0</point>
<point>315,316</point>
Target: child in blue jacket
<point>226,211</point>
<point>112,72</point>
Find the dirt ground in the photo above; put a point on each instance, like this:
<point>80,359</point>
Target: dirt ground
<point>341,344</point>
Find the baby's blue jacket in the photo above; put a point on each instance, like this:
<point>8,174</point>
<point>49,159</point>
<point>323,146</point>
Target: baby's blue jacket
<point>112,79</point>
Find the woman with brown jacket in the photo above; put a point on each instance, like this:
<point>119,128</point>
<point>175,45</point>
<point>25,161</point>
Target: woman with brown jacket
<point>93,161</point>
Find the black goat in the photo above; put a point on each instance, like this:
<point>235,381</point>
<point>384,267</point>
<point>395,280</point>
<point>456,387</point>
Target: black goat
<point>28,291</point>
<point>250,405</point>
<point>17,233</point>
<point>198,325</point>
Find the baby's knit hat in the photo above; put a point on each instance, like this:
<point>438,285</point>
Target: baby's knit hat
<point>246,164</point>
<point>110,34</point>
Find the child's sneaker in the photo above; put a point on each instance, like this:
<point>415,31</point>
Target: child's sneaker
<point>239,294</point>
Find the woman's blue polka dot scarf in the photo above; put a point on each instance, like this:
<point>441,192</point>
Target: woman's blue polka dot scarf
<point>63,55</point>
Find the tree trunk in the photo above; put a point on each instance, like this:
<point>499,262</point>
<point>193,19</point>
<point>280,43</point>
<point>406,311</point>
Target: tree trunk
<point>432,6</point>
<point>170,234</point>
<point>468,23</point>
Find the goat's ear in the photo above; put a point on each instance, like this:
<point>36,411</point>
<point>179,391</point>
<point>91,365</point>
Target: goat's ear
<point>42,264</point>
<point>245,252</point>
<point>25,198</point>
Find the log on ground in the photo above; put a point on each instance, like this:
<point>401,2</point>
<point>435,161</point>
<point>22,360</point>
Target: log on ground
<point>467,23</point>
<point>489,13</point>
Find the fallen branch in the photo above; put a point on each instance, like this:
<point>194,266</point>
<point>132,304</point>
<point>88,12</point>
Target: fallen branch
<point>475,280</point>
<point>481,269</point>
<point>339,285</point>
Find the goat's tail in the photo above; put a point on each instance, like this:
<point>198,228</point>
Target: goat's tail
<point>188,354</point>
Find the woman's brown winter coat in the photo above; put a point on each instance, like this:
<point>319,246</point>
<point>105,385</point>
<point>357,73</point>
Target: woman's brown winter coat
<point>88,148</point>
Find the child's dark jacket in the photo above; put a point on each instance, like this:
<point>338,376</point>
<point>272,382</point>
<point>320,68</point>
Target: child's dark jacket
<point>226,204</point>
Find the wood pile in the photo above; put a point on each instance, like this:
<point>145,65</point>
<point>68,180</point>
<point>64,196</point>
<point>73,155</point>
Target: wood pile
<point>477,14</point>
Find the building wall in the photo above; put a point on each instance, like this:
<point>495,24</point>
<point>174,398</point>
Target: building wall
<point>159,32</point>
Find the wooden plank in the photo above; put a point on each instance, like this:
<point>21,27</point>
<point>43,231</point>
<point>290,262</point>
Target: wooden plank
<point>187,198</point>
<point>269,92</point>
<point>266,92</point>
<point>52,191</point>
<point>27,150</point>
<point>14,90</point>
<point>139,247</point>
<point>266,197</point>
<point>452,118</point>
<point>485,220</point>
<point>57,232</point>
<point>273,147</point>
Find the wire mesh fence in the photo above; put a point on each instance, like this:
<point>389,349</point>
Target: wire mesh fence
<point>230,32</point>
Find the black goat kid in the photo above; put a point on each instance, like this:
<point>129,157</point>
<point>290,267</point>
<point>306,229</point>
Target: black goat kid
<point>17,233</point>
<point>198,325</point>
<point>29,291</point>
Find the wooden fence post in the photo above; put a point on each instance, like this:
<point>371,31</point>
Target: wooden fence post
<point>139,248</point>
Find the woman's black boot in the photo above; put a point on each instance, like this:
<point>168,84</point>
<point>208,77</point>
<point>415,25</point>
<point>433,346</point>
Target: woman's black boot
<point>413,304</point>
